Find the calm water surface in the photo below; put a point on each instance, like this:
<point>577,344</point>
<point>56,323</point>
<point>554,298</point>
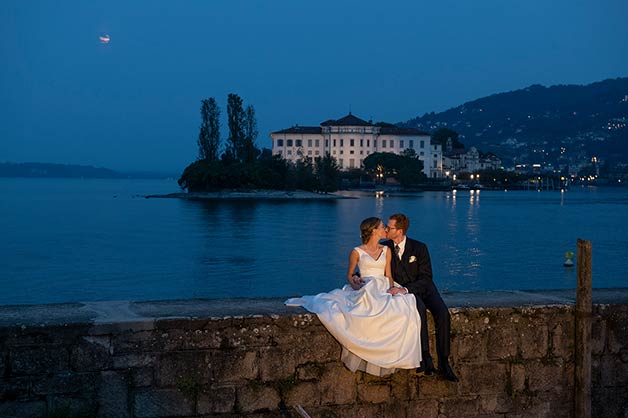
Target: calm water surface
<point>86,240</point>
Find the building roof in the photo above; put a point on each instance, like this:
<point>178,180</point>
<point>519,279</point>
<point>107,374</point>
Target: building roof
<point>348,120</point>
<point>300,130</point>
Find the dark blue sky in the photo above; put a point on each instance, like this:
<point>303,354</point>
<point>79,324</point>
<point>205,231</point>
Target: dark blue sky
<point>134,103</point>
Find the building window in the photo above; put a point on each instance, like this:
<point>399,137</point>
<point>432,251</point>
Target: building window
<point>334,142</point>
<point>317,143</point>
<point>352,142</point>
<point>317,152</point>
<point>392,143</point>
<point>334,152</point>
<point>289,152</point>
<point>340,163</point>
<point>422,144</point>
<point>368,142</point>
<point>289,142</point>
<point>383,143</point>
<point>421,153</point>
<point>361,152</point>
<point>401,144</point>
<point>342,142</point>
<point>351,152</point>
<point>435,155</point>
<point>342,151</point>
<point>412,143</point>
<point>298,143</point>
<point>327,143</point>
<point>309,142</point>
<point>309,153</point>
<point>280,142</point>
<point>351,163</point>
<point>361,142</point>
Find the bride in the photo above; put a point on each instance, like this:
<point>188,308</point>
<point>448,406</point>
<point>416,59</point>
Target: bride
<point>379,332</point>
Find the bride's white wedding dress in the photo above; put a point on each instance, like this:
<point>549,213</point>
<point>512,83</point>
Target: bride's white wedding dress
<point>379,332</point>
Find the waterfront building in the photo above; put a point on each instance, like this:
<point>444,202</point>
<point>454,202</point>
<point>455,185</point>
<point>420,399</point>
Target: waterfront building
<point>459,161</point>
<point>350,140</point>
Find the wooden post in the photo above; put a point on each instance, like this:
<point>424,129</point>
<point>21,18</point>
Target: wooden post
<point>583,332</point>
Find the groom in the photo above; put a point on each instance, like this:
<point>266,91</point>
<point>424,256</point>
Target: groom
<point>412,268</point>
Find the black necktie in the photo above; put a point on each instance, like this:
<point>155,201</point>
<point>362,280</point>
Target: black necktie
<point>397,250</point>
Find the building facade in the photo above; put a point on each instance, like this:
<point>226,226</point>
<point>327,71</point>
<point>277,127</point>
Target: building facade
<point>468,162</point>
<point>350,140</point>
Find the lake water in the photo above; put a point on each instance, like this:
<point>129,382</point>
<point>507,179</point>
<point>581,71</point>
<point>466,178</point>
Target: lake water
<point>86,240</point>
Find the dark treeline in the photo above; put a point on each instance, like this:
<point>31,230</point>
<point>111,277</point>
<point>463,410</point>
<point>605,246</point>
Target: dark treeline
<point>242,164</point>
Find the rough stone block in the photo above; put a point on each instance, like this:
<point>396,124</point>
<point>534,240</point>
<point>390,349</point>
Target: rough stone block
<point>460,407</point>
<point>278,363</point>
<point>64,383</point>
<point>502,343</point>
<point>18,409</point>
<point>178,366</point>
<point>113,395</point>
<point>423,409</point>
<point>142,376</point>
<point>563,341</point>
<point>310,371</point>
<point>231,365</point>
<point>613,371</point>
<point>16,388</point>
<point>470,347</point>
<point>545,377</point>
<point>127,361</point>
<point>71,406</point>
<point>257,398</point>
<point>156,403</point>
<point>499,403</point>
<point>435,388</point>
<point>617,328</point>
<point>41,360</point>
<point>517,377</point>
<point>404,385</point>
<point>337,386</point>
<point>534,341</point>
<point>482,378</point>
<point>216,400</point>
<point>598,335</point>
<point>373,393</point>
<point>91,353</point>
<point>303,393</point>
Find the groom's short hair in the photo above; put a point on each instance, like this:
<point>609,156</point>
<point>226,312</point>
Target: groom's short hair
<point>401,221</point>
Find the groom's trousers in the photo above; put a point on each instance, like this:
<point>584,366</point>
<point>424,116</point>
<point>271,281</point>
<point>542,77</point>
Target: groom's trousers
<point>431,300</point>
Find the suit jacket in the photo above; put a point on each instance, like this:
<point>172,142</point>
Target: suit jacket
<point>414,270</point>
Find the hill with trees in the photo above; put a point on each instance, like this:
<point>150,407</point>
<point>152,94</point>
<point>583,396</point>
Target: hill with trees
<point>560,125</point>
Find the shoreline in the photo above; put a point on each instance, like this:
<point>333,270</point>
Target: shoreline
<point>250,194</point>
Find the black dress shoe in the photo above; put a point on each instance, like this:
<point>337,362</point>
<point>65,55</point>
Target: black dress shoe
<point>447,373</point>
<point>427,367</point>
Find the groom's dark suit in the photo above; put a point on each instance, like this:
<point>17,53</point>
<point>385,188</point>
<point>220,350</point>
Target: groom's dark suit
<point>414,272</point>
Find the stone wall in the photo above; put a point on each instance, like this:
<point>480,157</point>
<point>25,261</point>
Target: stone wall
<point>512,362</point>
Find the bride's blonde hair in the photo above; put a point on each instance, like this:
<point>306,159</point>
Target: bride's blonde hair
<point>367,227</point>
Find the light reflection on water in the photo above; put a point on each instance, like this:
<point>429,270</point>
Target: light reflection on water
<point>73,240</point>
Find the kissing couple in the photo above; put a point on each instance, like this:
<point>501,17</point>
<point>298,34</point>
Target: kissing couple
<point>379,318</point>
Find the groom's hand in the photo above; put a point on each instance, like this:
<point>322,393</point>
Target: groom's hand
<point>356,282</point>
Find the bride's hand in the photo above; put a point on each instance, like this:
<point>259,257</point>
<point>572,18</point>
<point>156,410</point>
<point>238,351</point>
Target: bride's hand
<point>396,291</point>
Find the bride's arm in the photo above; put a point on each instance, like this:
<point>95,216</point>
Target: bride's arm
<point>388,270</point>
<point>354,281</point>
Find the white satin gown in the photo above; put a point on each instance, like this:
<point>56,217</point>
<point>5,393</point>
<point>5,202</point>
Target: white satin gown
<point>379,332</point>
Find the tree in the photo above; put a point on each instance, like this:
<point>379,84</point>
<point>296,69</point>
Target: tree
<point>444,135</point>
<point>250,151</point>
<point>327,173</point>
<point>209,135</point>
<point>235,122</point>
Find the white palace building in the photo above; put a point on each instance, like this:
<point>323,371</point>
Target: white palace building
<point>350,140</point>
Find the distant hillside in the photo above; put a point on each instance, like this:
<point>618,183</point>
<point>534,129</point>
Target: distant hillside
<point>559,125</point>
<point>56,170</point>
